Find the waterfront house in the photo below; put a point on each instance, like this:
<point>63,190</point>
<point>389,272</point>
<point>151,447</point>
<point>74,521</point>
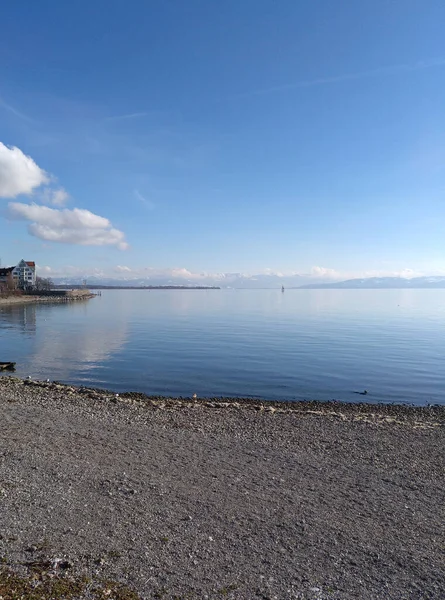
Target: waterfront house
<point>23,275</point>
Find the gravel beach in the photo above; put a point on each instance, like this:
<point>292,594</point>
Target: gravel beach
<point>198,499</point>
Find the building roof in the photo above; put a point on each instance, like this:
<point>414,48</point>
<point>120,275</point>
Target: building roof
<point>4,271</point>
<point>30,263</point>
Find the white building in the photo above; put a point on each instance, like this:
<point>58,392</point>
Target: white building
<point>23,274</point>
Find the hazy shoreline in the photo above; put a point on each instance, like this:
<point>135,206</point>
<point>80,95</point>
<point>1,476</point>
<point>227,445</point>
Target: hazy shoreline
<point>223,498</point>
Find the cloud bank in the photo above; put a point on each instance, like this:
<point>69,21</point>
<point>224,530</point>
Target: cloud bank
<point>268,278</point>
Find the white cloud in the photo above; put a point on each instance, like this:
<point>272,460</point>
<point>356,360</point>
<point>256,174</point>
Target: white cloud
<point>273,273</point>
<point>184,273</point>
<point>58,197</point>
<point>76,226</point>
<point>70,271</point>
<point>81,237</point>
<point>19,174</point>
<point>325,272</point>
<point>149,272</point>
<point>408,273</point>
<point>71,219</point>
<point>45,270</point>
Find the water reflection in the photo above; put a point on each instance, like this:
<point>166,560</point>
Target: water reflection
<point>68,339</point>
<point>64,353</point>
<point>302,344</point>
<point>22,318</point>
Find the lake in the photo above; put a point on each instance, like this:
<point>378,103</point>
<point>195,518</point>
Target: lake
<point>300,344</point>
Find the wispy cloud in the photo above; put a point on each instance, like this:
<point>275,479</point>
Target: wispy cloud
<point>14,111</point>
<point>57,197</point>
<point>135,115</point>
<point>379,71</point>
<point>147,203</point>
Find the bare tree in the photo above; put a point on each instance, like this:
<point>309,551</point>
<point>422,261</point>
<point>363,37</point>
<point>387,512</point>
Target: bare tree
<point>44,284</point>
<point>8,287</point>
<point>11,283</point>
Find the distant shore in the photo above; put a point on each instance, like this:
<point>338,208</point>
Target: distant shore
<point>147,287</point>
<point>220,498</point>
<point>53,297</point>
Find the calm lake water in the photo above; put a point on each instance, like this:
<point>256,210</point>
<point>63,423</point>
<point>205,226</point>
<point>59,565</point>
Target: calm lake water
<point>301,344</point>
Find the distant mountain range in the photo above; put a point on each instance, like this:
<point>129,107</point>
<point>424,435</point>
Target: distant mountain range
<point>380,283</point>
<point>223,280</point>
<point>261,281</point>
<point>122,286</point>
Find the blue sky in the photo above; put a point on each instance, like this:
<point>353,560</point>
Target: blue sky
<point>220,137</point>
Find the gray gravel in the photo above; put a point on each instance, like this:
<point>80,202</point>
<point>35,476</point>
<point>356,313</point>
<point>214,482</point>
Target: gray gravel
<point>224,499</point>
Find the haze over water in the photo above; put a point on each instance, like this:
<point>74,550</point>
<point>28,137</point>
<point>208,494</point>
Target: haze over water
<point>301,344</point>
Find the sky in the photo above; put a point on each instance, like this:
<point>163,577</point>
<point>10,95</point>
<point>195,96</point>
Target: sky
<point>247,136</point>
